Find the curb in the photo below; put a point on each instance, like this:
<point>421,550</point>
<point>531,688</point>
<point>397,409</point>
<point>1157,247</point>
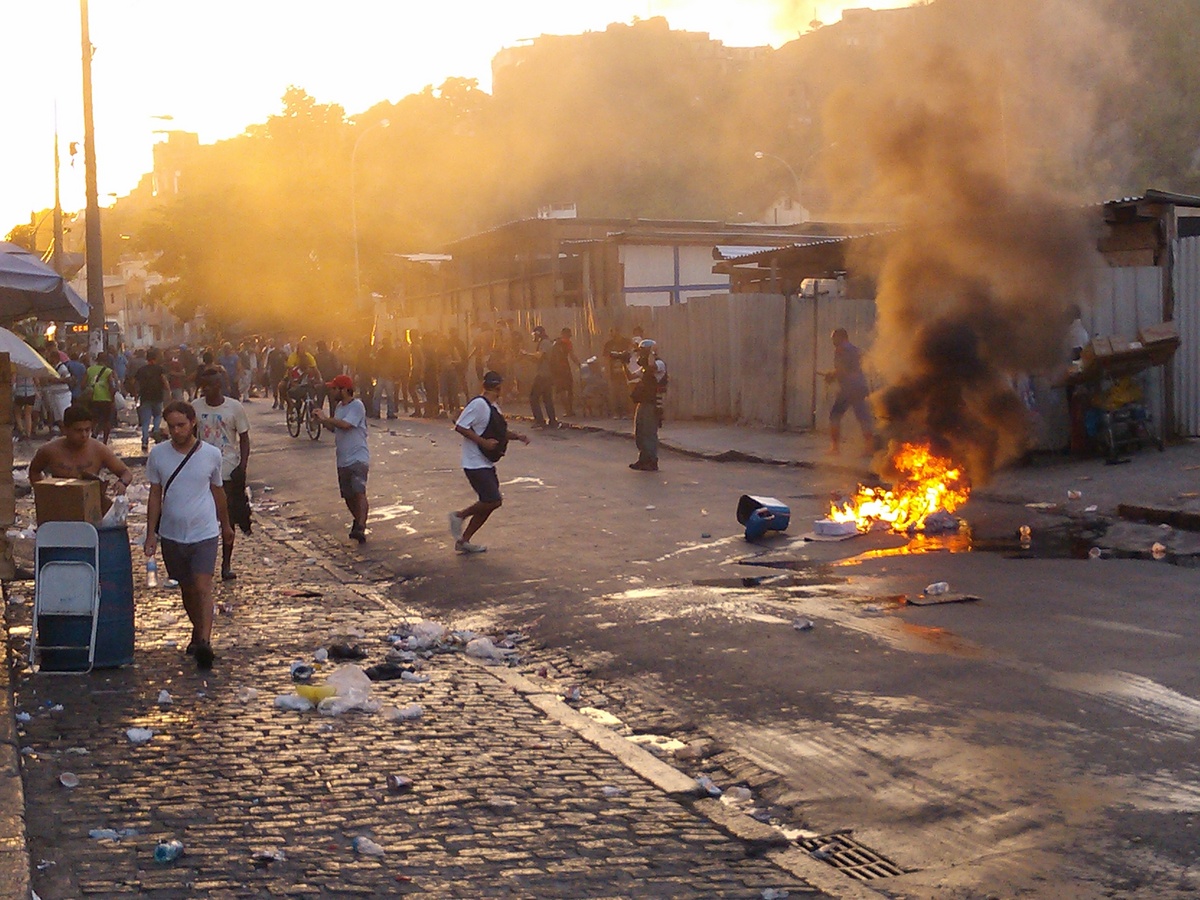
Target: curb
<point>14,853</point>
<point>759,838</point>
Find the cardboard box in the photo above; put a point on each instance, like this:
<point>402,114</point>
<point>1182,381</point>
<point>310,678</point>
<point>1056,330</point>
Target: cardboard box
<point>1152,334</point>
<point>69,500</point>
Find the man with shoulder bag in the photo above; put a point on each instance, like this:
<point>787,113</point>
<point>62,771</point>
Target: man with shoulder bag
<point>485,439</point>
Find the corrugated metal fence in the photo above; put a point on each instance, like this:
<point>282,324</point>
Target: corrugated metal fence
<point>1187,315</point>
<point>727,354</point>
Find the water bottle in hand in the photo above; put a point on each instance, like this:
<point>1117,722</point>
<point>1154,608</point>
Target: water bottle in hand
<point>152,573</point>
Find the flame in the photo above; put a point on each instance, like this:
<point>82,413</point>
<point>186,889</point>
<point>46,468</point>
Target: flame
<point>925,483</point>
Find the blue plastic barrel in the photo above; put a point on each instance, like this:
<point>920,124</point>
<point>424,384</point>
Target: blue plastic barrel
<point>762,514</point>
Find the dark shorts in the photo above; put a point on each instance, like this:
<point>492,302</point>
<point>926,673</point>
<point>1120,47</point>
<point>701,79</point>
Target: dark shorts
<point>486,484</point>
<point>24,401</point>
<point>352,479</point>
<point>185,560</point>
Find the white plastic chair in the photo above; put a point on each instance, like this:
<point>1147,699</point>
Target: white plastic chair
<point>66,588</point>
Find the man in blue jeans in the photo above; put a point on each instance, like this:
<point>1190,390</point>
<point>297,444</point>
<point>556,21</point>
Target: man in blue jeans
<point>150,382</point>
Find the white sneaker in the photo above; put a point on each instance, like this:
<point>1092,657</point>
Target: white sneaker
<point>468,547</point>
<point>456,526</point>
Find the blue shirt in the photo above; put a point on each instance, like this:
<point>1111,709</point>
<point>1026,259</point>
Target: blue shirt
<point>78,372</point>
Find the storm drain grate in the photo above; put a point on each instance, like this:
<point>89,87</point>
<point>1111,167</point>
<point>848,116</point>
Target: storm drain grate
<point>847,855</point>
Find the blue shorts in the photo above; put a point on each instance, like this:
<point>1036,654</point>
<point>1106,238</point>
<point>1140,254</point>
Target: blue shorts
<point>486,483</point>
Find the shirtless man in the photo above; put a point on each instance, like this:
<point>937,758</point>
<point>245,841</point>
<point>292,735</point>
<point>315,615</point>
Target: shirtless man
<point>77,454</point>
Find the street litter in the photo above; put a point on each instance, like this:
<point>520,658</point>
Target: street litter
<point>321,655</point>
<point>44,864</point>
<point>1090,509</point>
<point>414,678</point>
<point>407,714</point>
<point>246,694</point>
<point>315,692</point>
<point>611,791</point>
<point>941,599</point>
<point>1042,506</point>
<point>139,735</point>
<point>573,694</point>
<point>366,846</point>
<point>69,780</point>
<point>826,851</point>
<point>301,593</point>
<point>293,702</point>
<point>709,786</point>
<point>1074,495</point>
<point>501,802</point>
<point>424,634</point>
<point>164,698</point>
<point>168,851</point>
<point>112,834</point>
<point>266,857</point>
<point>171,583</point>
<point>762,514</point>
<point>343,651</point>
<point>23,717</point>
<point>483,648</point>
<point>1158,551</point>
<point>938,587</point>
<point>301,672</point>
<point>353,692</point>
<point>398,784</point>
<point>737,794</point>
<point>774,894</point>
<point>392,671</point>
<point>803,624</point>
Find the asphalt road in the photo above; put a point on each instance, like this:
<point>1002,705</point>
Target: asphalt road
<point>1039,741</point>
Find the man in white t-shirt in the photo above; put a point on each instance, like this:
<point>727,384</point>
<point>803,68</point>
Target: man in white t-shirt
<point>349,424</point>
<point>484,431</point>
<point>187,511</point>
<point>224,424</point>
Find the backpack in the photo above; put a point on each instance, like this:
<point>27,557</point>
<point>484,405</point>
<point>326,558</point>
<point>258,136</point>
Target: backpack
<point>496,428</point>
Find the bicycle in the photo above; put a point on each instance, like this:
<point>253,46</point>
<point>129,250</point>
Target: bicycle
<point>299,413</point>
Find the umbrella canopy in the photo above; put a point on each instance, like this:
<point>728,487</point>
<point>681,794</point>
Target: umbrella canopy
<point>25,360</point>
<point>28,287</point>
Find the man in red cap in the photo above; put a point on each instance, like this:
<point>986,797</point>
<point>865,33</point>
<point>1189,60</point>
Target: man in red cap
<point>349,425</point>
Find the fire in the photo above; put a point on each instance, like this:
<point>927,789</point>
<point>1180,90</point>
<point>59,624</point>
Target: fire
<point>925,483</point>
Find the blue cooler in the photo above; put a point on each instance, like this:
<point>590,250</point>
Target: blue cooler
<point>762,514</point>
<point>114,623</point>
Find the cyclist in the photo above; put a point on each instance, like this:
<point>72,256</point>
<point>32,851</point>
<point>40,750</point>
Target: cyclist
<point>302,377</point>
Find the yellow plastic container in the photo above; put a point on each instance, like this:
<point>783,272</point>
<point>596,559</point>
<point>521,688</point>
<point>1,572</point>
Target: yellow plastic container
<point>315,692</point>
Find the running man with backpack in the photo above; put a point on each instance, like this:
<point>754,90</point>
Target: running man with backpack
<point>485,440</point>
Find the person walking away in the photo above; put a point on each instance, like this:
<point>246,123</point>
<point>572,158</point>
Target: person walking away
<point>432,356</point>
<point>485,437</point>
<point>151,388</point>
<point>276,368</point>
<point>187,513</point>
<point>364,371</point>
<point>644,393</point>
<point>452,361</point>
<point>248,364</point>
<point>349,424</point>
<point>329,366</point>
<point>542,389</point>
<point>416,376</point>
<point>852,392</point>
<point>385,385</point>
<point>78,370</point>
<point>56,396</point>
<point>100,386</point>
<point>24,393</point>
<point>563,364</point>
<point>223,423</point>
<point>401,367</point>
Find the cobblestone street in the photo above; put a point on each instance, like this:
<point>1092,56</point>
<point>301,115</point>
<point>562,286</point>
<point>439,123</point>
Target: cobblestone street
<point>506,801</point>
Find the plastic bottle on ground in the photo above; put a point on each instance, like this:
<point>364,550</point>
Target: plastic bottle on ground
<point>938,587</point>
<point>168,851</point>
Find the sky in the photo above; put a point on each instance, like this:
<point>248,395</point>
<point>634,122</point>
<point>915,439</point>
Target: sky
<point>218,66</point>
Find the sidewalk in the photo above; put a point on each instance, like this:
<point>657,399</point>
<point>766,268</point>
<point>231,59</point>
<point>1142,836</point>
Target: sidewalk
<point>1152,480</point>
<point>513,795</point>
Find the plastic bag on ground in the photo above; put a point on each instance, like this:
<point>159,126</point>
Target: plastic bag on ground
<point>425,634</point>
<point>408,714</point>
<point>353,692</point>
<point>483,648</point>
<point>293,701</point>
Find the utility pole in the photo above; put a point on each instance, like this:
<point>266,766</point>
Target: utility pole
<point>58,222</point>
<point>95,264</point>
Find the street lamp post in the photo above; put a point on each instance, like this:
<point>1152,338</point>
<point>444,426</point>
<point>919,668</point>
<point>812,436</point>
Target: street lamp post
<point>796,179</point>
<point>382,123</point>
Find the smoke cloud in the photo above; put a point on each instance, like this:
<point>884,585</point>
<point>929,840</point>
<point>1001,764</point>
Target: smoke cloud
<point>964,130</point>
